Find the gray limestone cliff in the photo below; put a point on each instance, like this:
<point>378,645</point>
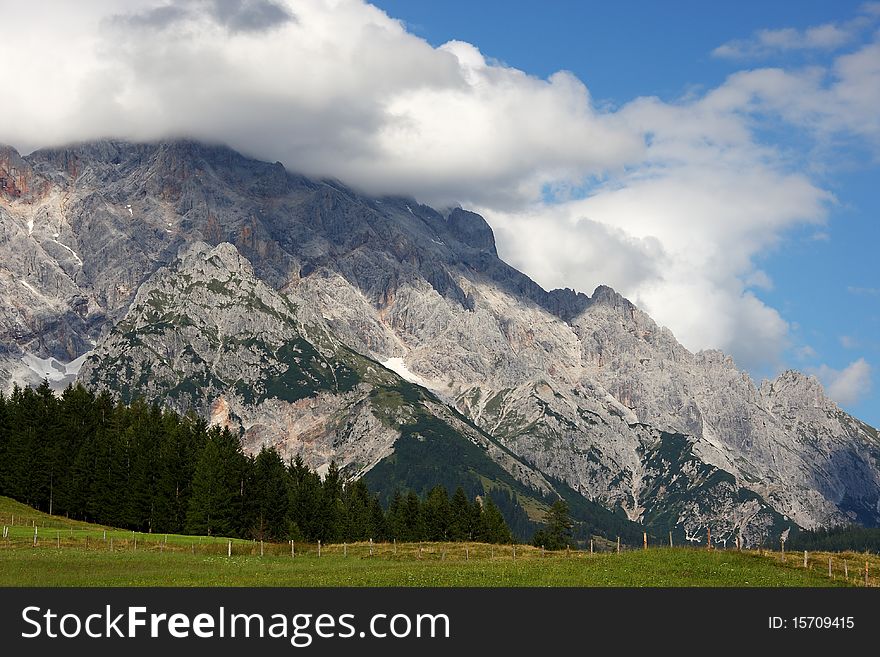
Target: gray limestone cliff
<point>588,389</point>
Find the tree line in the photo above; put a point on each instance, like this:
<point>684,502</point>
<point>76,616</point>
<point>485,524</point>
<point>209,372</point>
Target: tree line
<point>835,539</point>
<point>149,469</point>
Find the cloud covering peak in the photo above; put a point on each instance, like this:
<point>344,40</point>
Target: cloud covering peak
<point>670,202</point>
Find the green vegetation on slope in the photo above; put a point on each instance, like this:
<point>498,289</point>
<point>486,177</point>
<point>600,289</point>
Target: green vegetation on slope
<point>836,539</point>
<point>430,451</point>
<point>144,469</point>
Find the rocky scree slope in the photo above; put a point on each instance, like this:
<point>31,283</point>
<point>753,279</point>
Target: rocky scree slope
<point>205,334</point>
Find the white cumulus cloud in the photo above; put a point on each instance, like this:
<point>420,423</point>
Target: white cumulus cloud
<point>849,385</point>
<point>826,37</point>
<point>671,202</point>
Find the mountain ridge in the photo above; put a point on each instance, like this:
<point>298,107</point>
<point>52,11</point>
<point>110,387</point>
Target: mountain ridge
<point>561,378</point>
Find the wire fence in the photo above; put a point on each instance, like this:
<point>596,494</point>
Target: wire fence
<point>854,568</point>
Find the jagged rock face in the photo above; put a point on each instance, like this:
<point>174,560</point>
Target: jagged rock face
<point>205,334</point>
<point>565,380</point>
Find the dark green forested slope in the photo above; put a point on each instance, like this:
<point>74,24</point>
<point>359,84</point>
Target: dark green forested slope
<point>141,467</point>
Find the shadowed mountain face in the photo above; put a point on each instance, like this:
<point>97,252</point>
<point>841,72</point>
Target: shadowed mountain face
<point>586,390</point>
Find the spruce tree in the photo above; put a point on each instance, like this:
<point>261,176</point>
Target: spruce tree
<point>460,517</point>
<point>435,512</point>
<point>358,512</point>
<point>395,518</point>
<point>557,534</point>
<point>378,526</point>
<point>306,502</point>
<point>332,507</point>
<point>4,445</point>
<point>269,496</point>
<point>413,519</point>
<point>493,529</point>
<point>216,503</point>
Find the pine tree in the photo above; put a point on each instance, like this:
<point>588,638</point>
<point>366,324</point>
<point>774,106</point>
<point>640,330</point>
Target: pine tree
<point>436,514</point>
<point>493,529</point>
<point>4,445</point>
<point>269,496</point>
<point>378,526</point>
<point>140,441</point>
<point>216,502</point>
<point>332,507</point>
<point>395,518</point>
<point>77,425</point>
<point>106,499</point>
<point>413,519</point>
<point>306,501</point>
<point>460,517</point>
<point>358,512</point>
<point>558,531</point>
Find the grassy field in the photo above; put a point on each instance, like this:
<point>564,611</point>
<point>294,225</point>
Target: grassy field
<point>70,553</point>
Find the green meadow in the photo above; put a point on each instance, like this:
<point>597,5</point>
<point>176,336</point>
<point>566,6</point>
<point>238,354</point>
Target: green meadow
<point>71,553</point>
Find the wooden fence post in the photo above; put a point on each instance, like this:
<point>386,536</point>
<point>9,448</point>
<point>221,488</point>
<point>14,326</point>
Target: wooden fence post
<point>35,535</point>
<point>395,546</point>
<point>371,547</point>
<point>261,547</point>
<point>670,539</point>
<point>591,546</point>
<point>805,558</point>
<point>292,552</point>
<point>542,550</point>
<point>466,554</point>
<point>645,539</point>
<point>319,547</point>
<point>345,549</point>
<point>708,538</point>
<point>229,549</point>
<point>618,545</point>
<point>829,567</point>
<point>866,573</point>
<point>845,570</point>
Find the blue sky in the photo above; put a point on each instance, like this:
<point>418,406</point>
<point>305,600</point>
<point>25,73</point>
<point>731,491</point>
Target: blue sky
<point>826,283</point>
<point>712,161</point>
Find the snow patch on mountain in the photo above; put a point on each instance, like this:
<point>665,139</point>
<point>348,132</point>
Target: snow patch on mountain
<point>58,373</point>
<point>397,366</point>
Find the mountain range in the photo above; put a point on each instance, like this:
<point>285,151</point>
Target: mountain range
<point>390,337</point>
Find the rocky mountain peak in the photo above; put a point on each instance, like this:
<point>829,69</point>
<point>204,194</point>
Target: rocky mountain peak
<point>566,303</point>
<point>471,229</point>
<point>794,389</point>
<point>714,358</point>
<point>16,174</point>
<point>606,295</point>
<point>224,258</point>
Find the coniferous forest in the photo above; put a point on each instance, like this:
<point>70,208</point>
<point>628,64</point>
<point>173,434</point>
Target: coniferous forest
<point>149,469</point>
